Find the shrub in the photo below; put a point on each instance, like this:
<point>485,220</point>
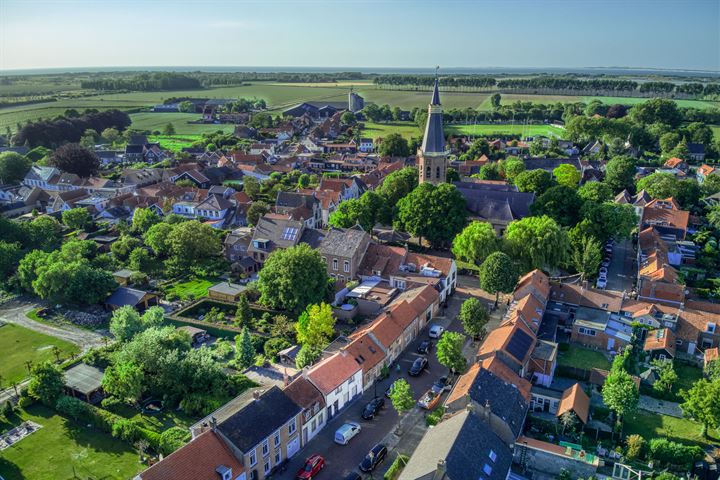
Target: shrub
<point>172,439</point>
<point>72,407</point>
<point>673,453</point>
<point>25,401</point>
<point>111,403</point>
<point>635,447</point>
<point>127,430</point>
<point>7,409</point>
<point>274,345</point>
<point>396,467</point>
<point>435,416</point>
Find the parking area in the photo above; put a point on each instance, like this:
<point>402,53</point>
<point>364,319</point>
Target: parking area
<point>621,273</point>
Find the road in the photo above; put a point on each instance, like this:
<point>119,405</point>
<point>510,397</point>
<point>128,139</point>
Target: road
<point>621,273</point>
<point>341,460</point>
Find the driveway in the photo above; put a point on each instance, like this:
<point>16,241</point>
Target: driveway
<point>621,273</point>
<point>341,460</point>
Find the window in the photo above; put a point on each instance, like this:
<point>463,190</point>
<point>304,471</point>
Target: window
<point>437,171</point>
<point>346,266</point>
<point>493,456</point>
<point>266,467</point>
<point>487,469</point>
<point>278,456</point>
<point>335,264</point>
<point>265,448</point>
<point>587,331</point>
<point>292,427</point>
<point>253,458</point>
<point>277,438</point>
<point>427,171</point>
<point>710,327</point>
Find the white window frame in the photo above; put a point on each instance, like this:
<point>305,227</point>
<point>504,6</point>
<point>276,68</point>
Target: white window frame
<point>276,439</point>
<point>292,427</point>
<point>265,448</point>
<point>346,266</point>
<point>335,264</point>
<point>253,458</point>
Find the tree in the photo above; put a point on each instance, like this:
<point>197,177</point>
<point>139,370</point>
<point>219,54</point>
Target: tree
<point>657,110</point>
<point>561,203</point>
<point>76,282</point>
<point>293,278</point>
<point>124,380</point>
<point>636,446</point>
<point>567,175</point>
<point>126,322</point>
<point>620,173</point>
<point>193,244</point>
<point>307,356</point>
<point>398,184</point>
<point>569,421</point>
<point>143,219</point>
<point>620,393</point>
<point>366,211</point>
<point>498,274</point>
<point>315,326</point>
<point>586,256</point>
<point>245,352</point>
<point>449,351</point>
<point>702,402</point>
<point>666,376</point>
<point>605,220</point>
<point>402,396</point>
<point>348,118</point>
<point>251,186</point>
<point>474,317</point>
<point>74,158</point>
<point>512,167</point>
<point>77,218</point>
<point>394,145</point>
<point>156,237</point>
<point>537,181</point>
<point>10,254</point>
<point>538,242</point>
<point>256,211</point>
<point>436,213</point>
<point>169,129</point>
<point>490,171</point>
<point>46,383</point>
<point>495,100</point>
<point>13,167</point>
<point>595,191</point>
<point>476,242</point>
<point>110,134</point>
<point>243,313</point>
<point>122,247</point>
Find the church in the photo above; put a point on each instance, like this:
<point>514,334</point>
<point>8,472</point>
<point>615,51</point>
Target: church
<point>486,201</point>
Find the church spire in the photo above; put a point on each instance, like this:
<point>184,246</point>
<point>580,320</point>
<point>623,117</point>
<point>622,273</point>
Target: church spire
<point>434,138</point>
<point>436,91</point>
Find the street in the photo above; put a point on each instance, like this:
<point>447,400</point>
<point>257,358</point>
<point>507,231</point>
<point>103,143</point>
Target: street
<point>621,273</point>
<point>340,460</point>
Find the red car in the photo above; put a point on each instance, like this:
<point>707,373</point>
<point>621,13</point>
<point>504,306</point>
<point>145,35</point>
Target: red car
<point>312,467</point>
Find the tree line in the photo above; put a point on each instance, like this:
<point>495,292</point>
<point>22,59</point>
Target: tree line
<point>145,82</point>
<point>69,128</point>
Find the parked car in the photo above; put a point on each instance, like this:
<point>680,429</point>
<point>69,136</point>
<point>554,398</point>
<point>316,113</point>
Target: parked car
<point>442,384</point>
<point>418,366</point>
<point>374,457</point>
<point>605,262</point>
<point>435,331</point>
<point>429,400</point>
<point>601,283</point>
<point>346,432</point>
<point>352,476</point>
<point>608,250</point>
<point>603,270</point>
<point>312,467</point>
<point>389,389</point>
<point>424,347</point>
<point>372,408</point>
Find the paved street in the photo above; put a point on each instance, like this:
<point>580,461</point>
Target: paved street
<point>341,460</point>
<point>621,272</point>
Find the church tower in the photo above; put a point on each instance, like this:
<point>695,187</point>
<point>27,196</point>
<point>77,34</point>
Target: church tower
<point>431,156</point>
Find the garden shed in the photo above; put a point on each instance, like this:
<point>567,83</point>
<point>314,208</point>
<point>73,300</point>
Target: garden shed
<point>84,382</point>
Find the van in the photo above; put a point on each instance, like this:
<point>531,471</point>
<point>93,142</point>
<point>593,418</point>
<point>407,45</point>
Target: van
<point>346,432</point>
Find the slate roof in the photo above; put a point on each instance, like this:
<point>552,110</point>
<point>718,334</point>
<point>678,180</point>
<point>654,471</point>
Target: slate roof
<point>434,138</point>
<point>125,296</point>
<point>343,242</point>
<point>276,230</point>
<point>495,206</point>
<point>505,399</point>
<point>294,200</point>
<point>259,419</point>
<point>468,446</point>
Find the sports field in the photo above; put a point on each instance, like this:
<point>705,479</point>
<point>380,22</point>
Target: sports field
<point>157,121</point>
<point>523,130</point>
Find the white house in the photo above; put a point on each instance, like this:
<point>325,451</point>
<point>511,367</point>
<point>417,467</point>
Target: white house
<point>366,145</point>
<point>340,380</point>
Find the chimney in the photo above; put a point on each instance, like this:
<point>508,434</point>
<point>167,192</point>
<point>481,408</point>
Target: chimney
<point>213,423</point>
<point>440,471</point>
<point>486,411</point>
<point>256,395</point>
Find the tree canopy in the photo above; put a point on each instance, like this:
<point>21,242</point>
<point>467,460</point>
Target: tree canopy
<point>538,242</point>
<point>436,213</point>
<point>74,158</point>
<point>13,168</point>
<point>476,242</point>
<point>498,274</point>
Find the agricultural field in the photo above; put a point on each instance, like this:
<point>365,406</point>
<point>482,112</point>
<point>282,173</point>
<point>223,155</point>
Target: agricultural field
<point>490,130</point>
<point>20,345</point>
<point>156,122</point>
<point>699,104</point>
<point>375,130</point>
<point>716,131</point>
<point>63,449</point>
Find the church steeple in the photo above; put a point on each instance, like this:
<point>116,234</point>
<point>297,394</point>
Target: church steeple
<point>436,93</point>
<point>431,154</point>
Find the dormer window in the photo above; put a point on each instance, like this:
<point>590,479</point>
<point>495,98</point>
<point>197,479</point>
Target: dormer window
<point>710,327</point>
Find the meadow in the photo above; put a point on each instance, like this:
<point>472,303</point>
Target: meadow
<point>157,121</point>
<point>522,130</point>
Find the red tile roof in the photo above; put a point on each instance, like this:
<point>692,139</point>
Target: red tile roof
<point>304,393</point>
<point>333,371</point>
<point>576,400</point>
<point>661,339</point>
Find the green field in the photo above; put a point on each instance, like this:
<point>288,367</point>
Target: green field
<point>716,130</point>
<point>156,122</point>
<point>195,288</point>
<point>651,425</point>
<point>580,357</point>
<point>19,345</point>
<point>375,130</point>
<point>523,130</point>
<point>174,143</point>
<point>63,450</point>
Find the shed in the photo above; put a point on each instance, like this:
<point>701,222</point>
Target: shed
<point>122,277</point>
<point>139,299</point>
<point>575,400</point>
<point>85,382</point>
<point>197,335</point>
<point>226,291</point>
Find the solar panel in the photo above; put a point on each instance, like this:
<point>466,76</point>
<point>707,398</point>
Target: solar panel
<point>519,344</point>
<point>289,233</point>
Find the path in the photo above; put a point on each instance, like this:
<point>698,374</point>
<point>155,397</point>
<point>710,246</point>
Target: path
<point>662,407</point>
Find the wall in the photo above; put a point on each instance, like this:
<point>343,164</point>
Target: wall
<point>553,464</point>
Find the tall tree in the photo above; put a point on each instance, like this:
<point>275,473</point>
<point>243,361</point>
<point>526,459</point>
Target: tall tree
<point>245,351</point>
<point>77,218</point>
<point>243,313</point>
<point>143,219</point>
<point>124,380</point>
<point>316,326</point>
<point>586,256</point>
<point>394,145</point>
<point>561,203</point>
<point>402,396</point>
<point>498,273</point>
<point>702,402</point>
<point>567,175</point>
<point>620,393</point>
<point>474,316</point>
<point>620,173</point>
<point>193,244</point>
<point>74,158</point>
<point>449,351</point>
<point>46,383</point>
<point>537,181</point>
<point>666,376</point>
<point>538,242</point>
<point>398,184</point>
<point>256,211</point>
<point>596,191</point>
<point>13,168</point>
<point>476,242</point>
<point>436,213</point>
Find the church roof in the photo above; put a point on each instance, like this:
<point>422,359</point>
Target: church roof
<point>434,139</point>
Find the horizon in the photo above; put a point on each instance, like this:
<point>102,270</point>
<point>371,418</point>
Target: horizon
<point>490,34</point>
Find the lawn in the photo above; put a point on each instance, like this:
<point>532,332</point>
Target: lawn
<point>174,143</point>
<point>491,130</point>
<point>687,376</point>
<point>63,449</point>
<point>157,423</point>
<point>716,131</point>
<point>19,345</point>
<point>195,288</point>
<point>650,425</point>
<point>580,357</point>
<point>157,121</point>
<point>406,129</point>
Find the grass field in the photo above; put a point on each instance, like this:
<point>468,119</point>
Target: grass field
<point>19,345</point>
<point>174,143</point>
<point>63,450</point>
<point>406,129</point>
<point>651,425</point>
<point>580,357</point>
<point>523,130</point>
<point>716,130</point>
<point>157,121</point>
<point>195,288</point>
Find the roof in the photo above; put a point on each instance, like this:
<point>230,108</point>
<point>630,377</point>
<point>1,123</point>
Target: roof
<point>559,450</point>
<point>383,259</point>
<point>511,338</point>
<point>366,352</point>
<point>504,398</point>
<point>83,378</point>
<point>227,288</point>
<point>198,460</point>
<point>468,446</point>
<point>343,242</point>
<point>665,212</point>
<point>494,205</point>
<point>259,419</point>
<point>576,400</point>
<point>661,339</point>
<point>673,162</point>
<point>390,325</point>
<point>586,297</point>
<point>126,296</point>
<point>434,138</point>
<point>304,393</point>
<point>281,232</point>
<point>333,371</point>
<point>535,282</point>
<point>123,273</point>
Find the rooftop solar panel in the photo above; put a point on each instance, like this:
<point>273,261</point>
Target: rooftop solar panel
<point>519,344</point>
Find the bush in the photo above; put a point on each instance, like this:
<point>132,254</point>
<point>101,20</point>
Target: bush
<point>274,345</point>
<point>25,401</point>
<point>72,407</point>
<point>111,403</point>
<point>435,416</point>
<point>127,430</point>
<point>673,453</point>
<point>7,410</point>
<point>635,447</point>
<point>396,467</point>
<point>172,439</point>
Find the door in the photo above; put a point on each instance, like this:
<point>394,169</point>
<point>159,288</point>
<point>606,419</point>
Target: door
<point>293,447</point>
<point>611,343</point>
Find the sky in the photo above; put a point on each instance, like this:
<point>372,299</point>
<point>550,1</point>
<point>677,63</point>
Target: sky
<point>666,34</point>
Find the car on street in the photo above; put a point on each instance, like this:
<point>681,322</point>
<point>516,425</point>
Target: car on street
<point>429,400</point>
<point>424,347</point>
<point>608,250</point>
<point>601,283</point>
<point>603,270</point>
<point>374,457</point>
<point>352,476</point>
<point>312,467</point>
<point>389,389</point>
<point>418,366</point>
<point>442,384</point>
<point>345,433</point>
<point>372,408</point>
<point>435,331</point>
<point>605,263</point>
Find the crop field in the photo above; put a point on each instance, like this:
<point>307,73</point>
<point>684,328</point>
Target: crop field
<point>523,130</point>
<point>156,122</point>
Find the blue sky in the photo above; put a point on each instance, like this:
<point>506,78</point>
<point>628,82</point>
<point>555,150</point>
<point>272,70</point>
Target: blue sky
<point>675,34</point>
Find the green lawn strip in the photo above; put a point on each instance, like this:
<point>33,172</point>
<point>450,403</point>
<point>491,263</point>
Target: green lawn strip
<point>196,288</point>
<point>505,129</point>
<point>174,143</point>
<point>157,121</point>
<point>19,345</point>
<point>157,423</point>
<point>716,131</point>
<point>585,358</point>
<point>62,449</point>
<point>652,425</point>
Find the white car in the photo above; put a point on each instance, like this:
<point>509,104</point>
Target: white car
<point>603,271</point>
<point>345,433</point>
<point>435,331</point>
<point>601,283</point>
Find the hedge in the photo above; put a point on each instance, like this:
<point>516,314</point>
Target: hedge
<point>396,467</point>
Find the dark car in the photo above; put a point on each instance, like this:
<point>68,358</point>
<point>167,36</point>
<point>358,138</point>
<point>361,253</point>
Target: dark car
<point>442,384</point>
<point>373,407</point>
<point>389,389</point>
<point>373,458</point>
<point>353,476</point>
<point>424,347</point>
<point>312,467</point>
<point>418,366</point>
